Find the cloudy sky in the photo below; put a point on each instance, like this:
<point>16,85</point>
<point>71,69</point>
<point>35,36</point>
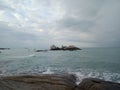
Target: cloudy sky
<point>41,23</point>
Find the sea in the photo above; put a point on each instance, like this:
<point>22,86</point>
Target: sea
<point>102,63</point>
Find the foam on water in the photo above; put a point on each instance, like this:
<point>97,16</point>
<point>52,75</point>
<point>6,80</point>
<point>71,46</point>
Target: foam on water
<point>27,56</point>
<point>32,55</point>
<point>115,77</point>
<point>108,76</point>
<point>81,74</point>
<point>48,71</point>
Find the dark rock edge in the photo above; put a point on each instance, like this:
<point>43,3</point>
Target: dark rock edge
<point>54,82</point>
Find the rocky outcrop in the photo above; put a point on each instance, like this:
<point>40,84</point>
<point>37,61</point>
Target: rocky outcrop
<point>97,84</point>
<point>53,47</point>
<point>41,50</point>
<point>4,48</point>
<point>42,82</point>
<point>54,82</point>
<point>70,47</point>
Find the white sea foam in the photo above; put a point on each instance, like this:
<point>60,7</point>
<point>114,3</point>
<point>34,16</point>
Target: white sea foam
<point>32,55</point>
<point>48,71</point>
<point>27,56</point>
<point>80,74</point>
<point>115,77</point>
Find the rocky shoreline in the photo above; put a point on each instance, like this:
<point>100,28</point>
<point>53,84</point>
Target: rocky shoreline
<point>54,82</point>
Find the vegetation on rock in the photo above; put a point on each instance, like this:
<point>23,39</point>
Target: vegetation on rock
<point>70,47</point>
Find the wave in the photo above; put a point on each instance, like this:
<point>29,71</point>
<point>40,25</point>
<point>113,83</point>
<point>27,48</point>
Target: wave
<point>31,55</point>
<point>107,76</point>
<point>48,71</point>
<point>81,74</point>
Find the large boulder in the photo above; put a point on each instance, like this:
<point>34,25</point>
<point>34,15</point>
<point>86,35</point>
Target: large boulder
<point>97,84</point>
<point>41,82</point>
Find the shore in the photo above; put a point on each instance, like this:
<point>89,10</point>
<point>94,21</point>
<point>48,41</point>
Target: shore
<point>54,82</point>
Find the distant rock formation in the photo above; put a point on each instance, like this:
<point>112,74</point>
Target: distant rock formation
<point>70,47</point>
<point>4,48</point>
<point>53,47</point>
<point>41,50</point>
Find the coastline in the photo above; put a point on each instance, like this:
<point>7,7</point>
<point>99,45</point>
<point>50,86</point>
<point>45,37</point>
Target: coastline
<point>54,82</point>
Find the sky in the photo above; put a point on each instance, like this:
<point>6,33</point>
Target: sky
<point>42,23</point>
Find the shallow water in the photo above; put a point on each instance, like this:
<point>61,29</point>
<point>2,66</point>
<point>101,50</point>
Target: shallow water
<point>103,63</point>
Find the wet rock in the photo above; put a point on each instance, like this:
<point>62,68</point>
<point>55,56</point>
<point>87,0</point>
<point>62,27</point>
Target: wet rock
<point>42,82</point>
<point>97,84</point>
<point>41,50</point>
<point>4,48</point>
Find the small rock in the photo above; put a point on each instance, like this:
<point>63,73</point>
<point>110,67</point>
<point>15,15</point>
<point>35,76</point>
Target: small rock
<point>41,50</point>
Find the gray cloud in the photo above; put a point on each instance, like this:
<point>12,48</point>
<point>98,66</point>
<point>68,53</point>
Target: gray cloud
<point>40,23</point>
<point>5,7</point>
<point>101,18</point>
<point>14,37</point>
<point>83,9</point>
<point>75,24</point>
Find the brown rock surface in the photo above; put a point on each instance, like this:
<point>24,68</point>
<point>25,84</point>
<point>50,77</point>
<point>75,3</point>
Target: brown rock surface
<point>42,82</point>
<point>97,84</point>
<point>54,82</point>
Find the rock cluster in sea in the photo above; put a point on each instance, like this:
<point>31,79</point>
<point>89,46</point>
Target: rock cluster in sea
<point>70,47</point>
<point>4,48</point>
<point>54,82</point>
<point>41,50</point>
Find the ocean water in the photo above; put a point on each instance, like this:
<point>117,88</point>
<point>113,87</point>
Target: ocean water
<point>103,63</point>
